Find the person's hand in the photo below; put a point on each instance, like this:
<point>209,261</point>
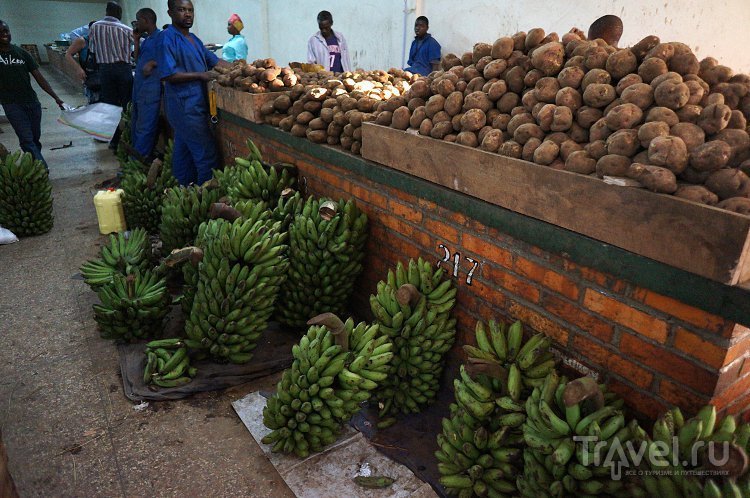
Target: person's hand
<point>148,68</point>
<point>209,76</point>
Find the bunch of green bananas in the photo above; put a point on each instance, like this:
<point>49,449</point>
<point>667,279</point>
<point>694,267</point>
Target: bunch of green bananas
<point>413,308</point>
<point>556,461</point>
<point>142,196</point>
<point>336,366</point>
<point>25,195</point>
<point>183,210</point>
<point>252,179</point>
<point>326,241</point>
<point>697,439</point>
<point>168,364</point>
<point>122,256</point>
<point>132,307</point>
<point>244,263</point>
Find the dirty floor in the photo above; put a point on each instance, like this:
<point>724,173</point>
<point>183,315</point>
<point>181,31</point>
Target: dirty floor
<point>67,426</point>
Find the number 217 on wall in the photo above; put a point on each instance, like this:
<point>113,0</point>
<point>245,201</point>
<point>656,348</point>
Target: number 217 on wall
<point>453,261</point>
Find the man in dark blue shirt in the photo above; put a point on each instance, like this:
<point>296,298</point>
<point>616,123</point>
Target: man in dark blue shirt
<point>424,54</point>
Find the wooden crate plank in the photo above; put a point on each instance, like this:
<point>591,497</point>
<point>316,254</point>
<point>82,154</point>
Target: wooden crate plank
<point>700,239</point>
<point>243,104</point>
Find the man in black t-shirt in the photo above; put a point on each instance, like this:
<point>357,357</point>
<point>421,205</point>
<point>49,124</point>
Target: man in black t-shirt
<point>19,101</point>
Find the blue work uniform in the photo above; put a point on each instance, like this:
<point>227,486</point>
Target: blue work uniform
<point>422,53</point>
<point>235,49</point>
<point>146,97</point>
<point>194,155</point>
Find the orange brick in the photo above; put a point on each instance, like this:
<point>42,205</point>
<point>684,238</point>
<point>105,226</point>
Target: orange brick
<point>662,360</point>
<point>638,401</point>
<point>738,349</point>
<point>489,293</point>
<point>745,369</point>
<point>736,390</point>
<point>550,279</point>
<point>679,396</point>
<point>487,251</point>
<point>509,282</point>
<point>684,312</point>
<point>577,317</point>
<point>368,195</point>
<point>606,359</point>
<point>621,313</point>
<point>707,352</point>
<point>427,205</point>
<point>442,231</point>
<point>408,212</point>
<point>740,407</point>
<point>534,320</point>
<point>728,375</point>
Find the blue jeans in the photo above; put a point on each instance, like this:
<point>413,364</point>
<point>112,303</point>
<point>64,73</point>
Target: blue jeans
<point>26,120</point>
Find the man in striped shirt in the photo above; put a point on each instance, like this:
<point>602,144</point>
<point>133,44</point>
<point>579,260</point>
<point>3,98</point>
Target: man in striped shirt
<point>111,41</point>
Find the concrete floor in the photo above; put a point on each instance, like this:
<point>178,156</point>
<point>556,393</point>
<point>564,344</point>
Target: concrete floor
<point>67,426</point>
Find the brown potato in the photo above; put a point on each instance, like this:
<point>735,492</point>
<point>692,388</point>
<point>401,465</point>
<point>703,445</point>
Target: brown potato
<point>501,121</point>
<point>453,103</point>
<point>684,64</point>
<point>477,100</point>
<point>672,95</point>
<point>384,118</point>
<point>639,94</point>
<point>580,162</point>
<point>449,60</point>
<point>595,76</point>
<point>569,97</point>
<point>578,133</point>
<point>526,131</point>
<point>495,68</point>
<point>400,118</point>
<point>456,121</point>
<point>533,38</point>
<point>317,136</point>
<point>527,154</point>
<point>625,82</point>
<point>546,89</point>
<point>483,132</point>
<point>662,114</point>
<point>669,152</point>
<point>623,143</point>
<point>514,78</point>
<point>729,182</point>
<point>549,58</point>
<point>507,102</point>
<point>663,51</point>
<point>502,48</point>
<point>420,89</point>
<point>654,178</point>
<point>651,68</point>
<point>587,116</point>
<point>305,117</point>
<point>697,193</point>
<point>532,77</point>
<point>737,121</point>
<point>547,152</point>
<point>492,141</point>
<point>518,120</point>
<point>710,156</point>
<point>612,165</point>
<point>612,105</point>
<point>414,103</point>
<point>434,105</point>
<point>467,138</point>
<point>649,131</point>
<point>287,123</point>
<point>621,63</point>
<point>696,92</point>
<point>544,116</point>
<point>599,130</point>
<point>599,95</point>
<point>668,76</point>
<point>417,116</point>
<point>473,120</point>
<point>596,149</point>
<point>482,63</point>
<point>740,143</point>
<point>567,147</point>
<point>641,157</point>
<point>317,124</point>
<point>480,50</point>
<point>571,76</point>
<point>562,119</point>
<point>624,116</point>
<point>511,148</point>
<point>425,128</point>
<point>739,205</point>
<point>440,130</point>
<point>692,135</point>
<point>595,57</point>
<point>529,100</point>
<point>644,46</point>
<point>577,61</point>
<point>714,118</point>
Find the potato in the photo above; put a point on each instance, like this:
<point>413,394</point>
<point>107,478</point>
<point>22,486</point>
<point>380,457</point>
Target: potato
<point>496,90</point>
<point>663,51</point>
<point>577,61</point>
<point>305,117</point>
<point>599,130</point>
<point>473,120</point>
<point>714,118</point>
<point>414,103</point>
<point>355,118</point>
<point>482,63</point>
<point>527,154</point>
<point>740,143</point>
<point>599,95</point>
<point>549,58</point>
<point>313,107</point>
<point>612,105</point>
<point>710,156</point>
<point>651,68</point>
<point>495,68</point>
<point>317,136</point>
<point>640,94</point>
<point>532,77</point>
<point>649,131</point>
<point>691,134</point>
<point>384,118</point>
<point>729,182</point>
<point>477,100</point>
<point>434,105</point>
<point>595,57</point>
<point>502,48</point>
<point>453,103</point>
<point>595,76</point>
<point>526,131</point>
<point>669,152</point>
<point>400,118</point>
<point>697,193</point>
<point>299,130</point>
<point>420,89</point>
<point>621,63</point>
<point>580,162</point>
<point>440,130</point>
<point>346,142</point>
<point>480,50</point>
<point>715,75</point>
<point>445,87</point>
<point>571,77</point>
<point>501,121</point>
<point>644,46</point>
<point>492,141</point>
<point>623,143</point>
<point>467,138</point>
<point>596,149</point>
<point>662,114</point>
<point>317,124</point>
<point>612,165</point>
<point>547,152</point>
<point>417,116</point>
<point>684,64</point>
<point>627,81</point>
<point>562,118</point>
<point>483,132</point>
<point>546,89</point>
<point>641,157</point>
<point>578,133</point>
<point>514,78</point>
<point>586,116</point>
<point>737,121</point>
<point>739,205</point>
<point>671,95</point>
<point>475,85</point>
<point>623,116</point>
<point>654,178</point>
<point>518,120</point>
<point>668,76</point>
<point>544,116</point>
<point>567,147</point>
<point>533,38</point>
<point>569,97</point>
<point>425,128</point>
<point>529,100</point>
<point>696,92</point>
<point>507,102</point>
<point>327,114</point>
<point>511,148</point>
<point>456,122</point>
<point>287,123</point>
<point>449,60</point>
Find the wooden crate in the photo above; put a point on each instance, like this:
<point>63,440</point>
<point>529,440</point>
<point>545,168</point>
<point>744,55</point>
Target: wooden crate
<point>243,104</point>
<point>700,239</point>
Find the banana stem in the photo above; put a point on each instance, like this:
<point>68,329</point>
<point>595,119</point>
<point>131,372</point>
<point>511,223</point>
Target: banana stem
<point>335,325</point>
<point>480,366</point>
<point>736,463</point>
<point>153,173</point>
<point>408,294</point>
<point>130,283</point>
<point>328,210</point>
<point>225,211</point>
<point>179,256</point>
<point>582,389</point>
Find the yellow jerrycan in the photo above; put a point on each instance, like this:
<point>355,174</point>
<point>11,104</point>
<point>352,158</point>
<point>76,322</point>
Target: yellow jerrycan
<point>109,211</point>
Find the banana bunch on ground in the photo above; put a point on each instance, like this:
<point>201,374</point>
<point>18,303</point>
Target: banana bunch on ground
<point>705,457</point>
<point>413,308</point>
<point>556,462</point>
<point>244,263</point>
<point>336,367</point>
<point>183,210</point>
<point>168,364</point>
<point>326,249</point>
<point>132,306</point>
<point>125,136</point>
<point>289,205</point>
<point>121,256</point>
<point>142,196</point>
<point>25,195</point>
<point>252,179</point>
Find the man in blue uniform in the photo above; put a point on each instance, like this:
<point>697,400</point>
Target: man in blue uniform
<point>146,84</point>
<point>424,54</point>
<point>183,65</point>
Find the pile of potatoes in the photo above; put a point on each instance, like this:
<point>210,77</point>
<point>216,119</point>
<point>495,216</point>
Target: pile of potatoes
<point>331,109</point>
<point>262,76</point>
<point>652,112</point>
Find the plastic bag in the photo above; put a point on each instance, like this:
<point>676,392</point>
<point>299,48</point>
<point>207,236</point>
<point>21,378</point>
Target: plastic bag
<point>99,120</point>
<point>7,237</point>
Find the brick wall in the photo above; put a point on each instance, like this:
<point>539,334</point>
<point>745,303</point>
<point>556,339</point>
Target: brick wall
<point>653,350</point>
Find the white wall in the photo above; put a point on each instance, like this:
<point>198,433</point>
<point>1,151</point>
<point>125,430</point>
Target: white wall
<point>374,28</point>
<point>42,21</point>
